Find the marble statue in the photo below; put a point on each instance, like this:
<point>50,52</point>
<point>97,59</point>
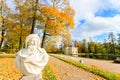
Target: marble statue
<point>31,59</point>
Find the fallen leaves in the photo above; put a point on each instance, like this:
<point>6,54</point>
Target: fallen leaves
<point>7,70</point>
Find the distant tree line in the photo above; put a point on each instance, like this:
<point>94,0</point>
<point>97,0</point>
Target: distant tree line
<point>109,48</point>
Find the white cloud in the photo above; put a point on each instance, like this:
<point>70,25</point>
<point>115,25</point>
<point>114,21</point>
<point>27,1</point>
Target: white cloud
<point>94,26</point>
<point>85,9</point>
<point>115,4</point>
<point>97,26</point>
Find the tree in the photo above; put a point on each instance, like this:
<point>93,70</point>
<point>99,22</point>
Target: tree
<point>76,43</point>
<point>55,20</point>
<point>52,17</point>
<point>50,44</point>
<point>112,42</point>
<point>57,23</point>
<point>91,46</point>
<point>21,19</point>
<point>65,43</point>
<point>4,10</point>
<point>34,16</point>
<point>118,39</point>
<point>84,46</point>
<point>106,46</point>
<point>117,45</point>
<point>99,48</point>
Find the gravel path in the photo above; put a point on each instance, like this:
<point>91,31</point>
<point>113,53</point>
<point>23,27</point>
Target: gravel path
<point>107,65</point>
<point>66,71</point>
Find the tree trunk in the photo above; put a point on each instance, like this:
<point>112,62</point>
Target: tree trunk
<point>44,35</point>
<point>1,42</point>
<point>3,27</point>
<point>43,39</point>
<point>3,32</point>
<point>20,42</point>
<point>34,18</point>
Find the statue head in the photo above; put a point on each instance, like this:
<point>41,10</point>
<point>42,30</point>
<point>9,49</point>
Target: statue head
<point>33,40</point>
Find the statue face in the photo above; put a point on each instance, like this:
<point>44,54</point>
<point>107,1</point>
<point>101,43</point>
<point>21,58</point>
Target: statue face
<point>32,43</point>
<point>33,40</point>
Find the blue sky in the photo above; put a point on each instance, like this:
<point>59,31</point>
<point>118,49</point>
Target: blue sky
<point>94,18</point>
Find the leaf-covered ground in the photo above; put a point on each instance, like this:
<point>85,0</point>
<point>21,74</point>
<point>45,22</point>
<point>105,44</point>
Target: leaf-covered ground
<point>9,72</point>
<point>7,69</point>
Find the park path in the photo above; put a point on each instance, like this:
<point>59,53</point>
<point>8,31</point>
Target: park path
<point>107,65</point>
<point>65,71</point>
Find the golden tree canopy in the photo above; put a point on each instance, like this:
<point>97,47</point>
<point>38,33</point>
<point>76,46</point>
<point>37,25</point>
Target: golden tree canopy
<point>56,22</point>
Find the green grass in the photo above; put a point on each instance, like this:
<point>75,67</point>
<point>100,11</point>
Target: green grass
<point>103,73</point>
<point>48,74</point>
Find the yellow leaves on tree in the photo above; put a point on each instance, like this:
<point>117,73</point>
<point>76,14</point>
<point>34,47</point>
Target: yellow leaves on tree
<point>53,28</point>
<point>68,20</point>
<point>0,17</point>
<point>56,21</point>
<point>49,12</point>
<point>51,44</point>
<point>70,11</point>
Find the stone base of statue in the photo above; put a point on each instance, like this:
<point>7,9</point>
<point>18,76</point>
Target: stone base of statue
<point>32,77</point>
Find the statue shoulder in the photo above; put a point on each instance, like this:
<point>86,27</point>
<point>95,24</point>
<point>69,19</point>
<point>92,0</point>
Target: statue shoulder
<point>45,54</point>
<point>21,51</point>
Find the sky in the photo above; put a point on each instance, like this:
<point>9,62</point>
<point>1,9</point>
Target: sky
<point>95,19</point>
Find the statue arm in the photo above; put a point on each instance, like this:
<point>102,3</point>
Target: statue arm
<point>43,61</point>
<point>46,56</point>
<point>17,60</point>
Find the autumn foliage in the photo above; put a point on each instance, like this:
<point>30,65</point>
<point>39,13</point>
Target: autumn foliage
<point>53,20</point>
<point>56,22</point>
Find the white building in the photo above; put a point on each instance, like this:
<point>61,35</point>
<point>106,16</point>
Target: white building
<point>71,51</point>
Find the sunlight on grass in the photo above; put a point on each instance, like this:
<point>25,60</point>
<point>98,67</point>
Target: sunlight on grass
<point>48,73</point>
